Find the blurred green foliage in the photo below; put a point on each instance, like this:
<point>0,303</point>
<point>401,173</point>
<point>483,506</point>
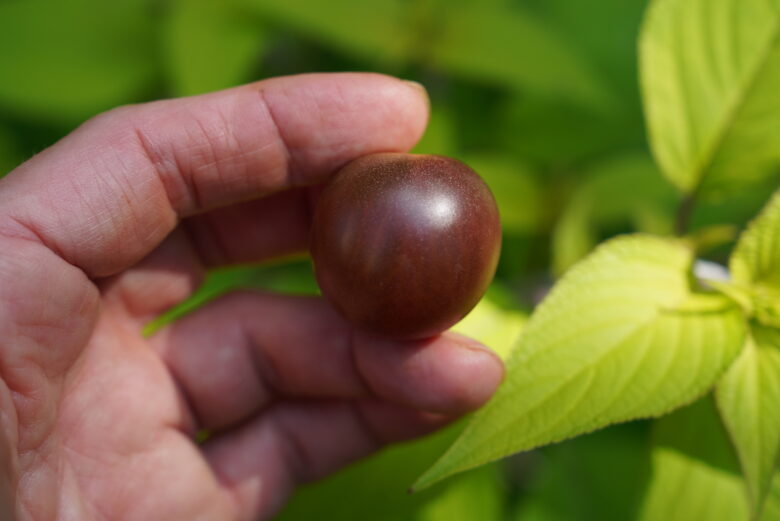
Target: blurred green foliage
<point>540,96</point>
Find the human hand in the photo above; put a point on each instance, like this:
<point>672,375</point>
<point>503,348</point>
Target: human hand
<point>117,223</point>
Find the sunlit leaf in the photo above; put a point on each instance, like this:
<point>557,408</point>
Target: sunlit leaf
<point>621,336</point>
<point>748,398</point>
<point>756,259</point>
<point>710,76</point>
<point>210,45</point>
<point>749,393</point>
<point>65,61</point>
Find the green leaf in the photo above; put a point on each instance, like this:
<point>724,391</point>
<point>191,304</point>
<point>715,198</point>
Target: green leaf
<point>695,476</point>
<point>375,488</point>
<point>605,34</point>
<point>756,259</point>
<point>491,43</point>
<point>516,190</point>
<point>772,507</point>
<point>439,137</point>
<point>511,47</point>
<point>10,157</point>
<point>755,266</point>
<point>538,510</point>
<point>601,476</point>
<point>710,74</point>
<point>748,398</point>
<point>210,45</point>
<point>64,61</point>
<point>622,191</point>
<point>575,234</point>
<point>477,495</point>
<point>621,336</point>
<point>558,132</point>
<point>375,30</point>
<point>292,277</point>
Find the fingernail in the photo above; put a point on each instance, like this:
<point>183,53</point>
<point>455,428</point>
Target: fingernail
<point>419,87</point>
<point>473,345</point>
<point>491,373</point>
<point>470,343</point>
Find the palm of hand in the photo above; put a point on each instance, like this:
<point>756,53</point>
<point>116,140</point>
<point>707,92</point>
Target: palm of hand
<point>110,432</point>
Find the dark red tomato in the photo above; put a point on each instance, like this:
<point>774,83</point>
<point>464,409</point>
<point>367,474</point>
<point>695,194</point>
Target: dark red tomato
<point>404,245</point>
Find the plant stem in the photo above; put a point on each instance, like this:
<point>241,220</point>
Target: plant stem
<point>684,212</point>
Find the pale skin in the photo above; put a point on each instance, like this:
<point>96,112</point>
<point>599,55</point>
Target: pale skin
<point>117,223</point>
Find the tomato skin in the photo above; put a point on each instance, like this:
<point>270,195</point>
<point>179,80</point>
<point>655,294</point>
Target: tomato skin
<point>404,245</point>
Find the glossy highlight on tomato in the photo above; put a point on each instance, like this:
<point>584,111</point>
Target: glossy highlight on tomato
<point>404,245</point>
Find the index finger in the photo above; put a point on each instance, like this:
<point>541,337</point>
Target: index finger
<point>107,194</point>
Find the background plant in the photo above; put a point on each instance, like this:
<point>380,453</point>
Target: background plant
<point>544,99</point>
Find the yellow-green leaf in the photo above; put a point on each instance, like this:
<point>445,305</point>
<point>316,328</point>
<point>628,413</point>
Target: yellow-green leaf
<point>710,74</point>
<point>756,259</point>
<point>748,398</point>
<point>621,336</point>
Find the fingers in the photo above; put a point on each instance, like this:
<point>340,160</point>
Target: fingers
<point>262,461</point>
<point>232,235</point>
<point>173,271</point>
<point>451,375</point>
<point>254,231</point>
<point>237,354</point>
<point>107,194</point>
<point>232,357</point>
